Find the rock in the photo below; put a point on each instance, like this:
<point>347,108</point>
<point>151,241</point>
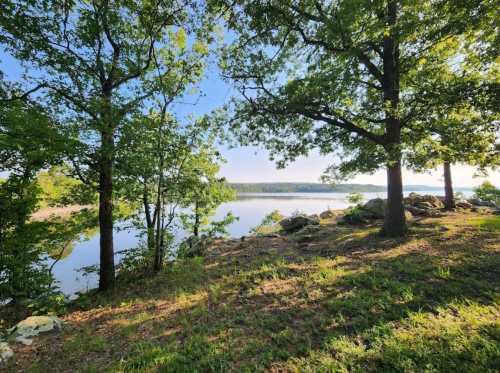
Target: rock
<point>5,352</point>
<point>305,238</point>
<point>295,223</point>
<point>464,205</point>
<point>425,201</point>
<point>34,325</point>
<point>426,205</point>
<point>482,210</point>
<point>415,210</point>
<point>329,214</point>
<point>408,215</point>
<point>478,202</point>
<point>374,208</point>
<point>310,229</point>
<point>195,246</point>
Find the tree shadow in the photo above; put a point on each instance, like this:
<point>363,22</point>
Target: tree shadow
<point>347,300</point>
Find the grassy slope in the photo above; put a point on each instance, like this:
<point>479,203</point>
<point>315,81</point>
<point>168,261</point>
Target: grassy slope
<point>346,301</point>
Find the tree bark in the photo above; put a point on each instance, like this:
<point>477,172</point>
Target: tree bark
<point>107,256</point>
<point>395,221</point>
<point>196,225</point>
<point>449,199</point>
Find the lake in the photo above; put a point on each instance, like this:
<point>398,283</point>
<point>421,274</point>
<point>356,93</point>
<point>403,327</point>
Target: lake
<point>250,208</point>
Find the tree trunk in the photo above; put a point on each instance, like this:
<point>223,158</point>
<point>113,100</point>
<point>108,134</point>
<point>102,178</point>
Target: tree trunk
<point>107,258</point>
<point>150,225</point>
<point>196,225</point>
<point>395,222</point>
<point>449,199</point>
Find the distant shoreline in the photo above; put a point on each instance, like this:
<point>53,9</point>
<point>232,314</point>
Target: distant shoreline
<point>326,188</point>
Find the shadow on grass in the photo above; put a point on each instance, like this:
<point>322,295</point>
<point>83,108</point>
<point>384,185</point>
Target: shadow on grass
<point>351,301</point>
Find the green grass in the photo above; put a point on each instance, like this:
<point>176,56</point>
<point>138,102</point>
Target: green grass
<point>348,301</point>
<point>491,223</point>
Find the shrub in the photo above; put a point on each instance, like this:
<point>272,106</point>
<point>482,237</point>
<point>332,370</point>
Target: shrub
<point>488,192</point>
<point>355,198</point>
<point>269,223</point>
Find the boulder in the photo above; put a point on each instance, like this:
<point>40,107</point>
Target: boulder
<point>479,202</point>
<point>464,205</point>
<point>374,208</point>
<point>34,325</point>
<point>424,201</point>
<point>296,223</point>
<point>5,352</point>
<point>309,229</point>
<point>329,214</point>
<point>415,211</point>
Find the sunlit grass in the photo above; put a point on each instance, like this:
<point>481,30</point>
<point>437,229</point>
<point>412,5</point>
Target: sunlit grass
<point>357,303</point>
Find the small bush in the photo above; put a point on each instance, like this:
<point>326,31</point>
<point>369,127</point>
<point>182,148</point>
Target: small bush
<point>488,192</point>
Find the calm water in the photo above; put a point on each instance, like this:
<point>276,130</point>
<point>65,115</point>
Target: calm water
<point>250,208</point>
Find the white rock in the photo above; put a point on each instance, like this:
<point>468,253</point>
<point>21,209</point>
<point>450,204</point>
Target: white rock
<point>5,352</point>
<point>34,325</point>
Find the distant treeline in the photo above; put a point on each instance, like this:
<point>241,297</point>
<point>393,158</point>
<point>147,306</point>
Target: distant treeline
<point>305,188</point>
<point>322,188</point>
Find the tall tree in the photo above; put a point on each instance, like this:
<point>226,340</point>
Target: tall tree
<point>335,75</point>
<point>96,58</point>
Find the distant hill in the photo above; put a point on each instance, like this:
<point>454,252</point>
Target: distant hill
<point>323,188</point>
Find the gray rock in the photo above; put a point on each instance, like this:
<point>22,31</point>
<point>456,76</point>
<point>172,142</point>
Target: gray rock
<point>478,202</point>
<point>5,352</point>
<point>424,201</point>
<point>296,223</point>
<point>374,208</point>
<point>34,325</point>
<point>329,214</point>
<point>464,205</point>
<point>416,211</point>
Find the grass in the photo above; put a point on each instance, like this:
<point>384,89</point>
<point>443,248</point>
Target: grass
<point>345,301</point>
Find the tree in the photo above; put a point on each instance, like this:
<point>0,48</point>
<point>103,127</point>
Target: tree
<point>152,154</point>
<point>462,136</point>
<point>338,76</point>
<point>30,140</point>
<point>97,58</point>
<point>457,121</point>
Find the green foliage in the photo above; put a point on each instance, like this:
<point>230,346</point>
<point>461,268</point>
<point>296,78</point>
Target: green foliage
<point>355,198</point>
<point>23,272</point>
<point>59,189</point>
<point>488,192</point>
<point>269,223</point>
<point>355,215</point>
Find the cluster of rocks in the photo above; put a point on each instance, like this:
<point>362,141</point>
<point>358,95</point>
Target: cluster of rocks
<point>296,223</point>
<point>423,205</point>
<point>415,205</point>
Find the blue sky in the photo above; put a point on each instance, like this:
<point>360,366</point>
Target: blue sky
<point>252,164</point>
